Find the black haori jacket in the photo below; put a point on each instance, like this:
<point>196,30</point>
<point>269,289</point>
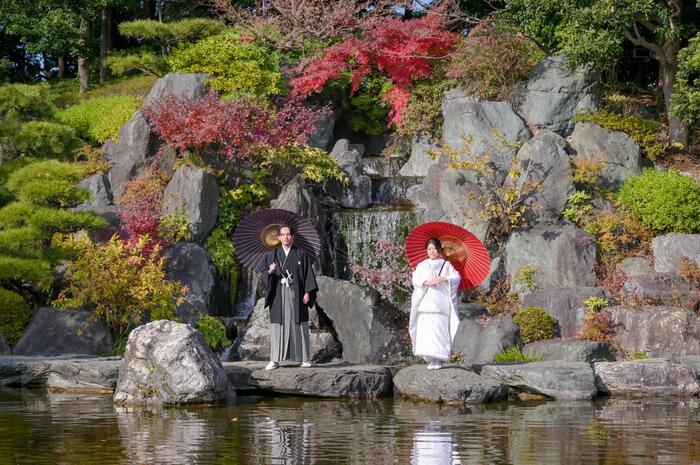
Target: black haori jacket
<point>303,281</point>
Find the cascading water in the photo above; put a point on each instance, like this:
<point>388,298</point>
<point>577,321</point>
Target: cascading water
<point>247,294</point>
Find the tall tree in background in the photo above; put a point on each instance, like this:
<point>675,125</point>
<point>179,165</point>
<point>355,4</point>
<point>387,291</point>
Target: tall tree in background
<point>595,30</point>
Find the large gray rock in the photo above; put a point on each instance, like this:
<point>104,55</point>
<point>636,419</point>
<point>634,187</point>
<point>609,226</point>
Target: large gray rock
<point>4,347</point>
<point>170,363</point>
<point>56,332</point>
<point>669,249</point>
<point>194,193</point>
<point>692,362</point>
<point>619,153</point>
<point>662,289</point>
<point>18,370</point>
<point>132,154</point>
<point>254,343</point>
<point>358,194</point>
<point>635,266</point>
<point>565,305</point>
<point>369,329</point>
<point>190,86</point>
<point>493,128</point>
<point>190,265</point>
<point>561,254</point>
<point>354,381</point>
<point>323,134</point>
<point>554,94</point>
<point>451,385</point>
<point>99,188</point>
<point>667,332</point>
<point>544,162</point>
<point>420,159</point>
<point>84,375</point>
<point>480,337</point>
<point>651,377</point>
<point>561,380</point>
<point>571,350</point>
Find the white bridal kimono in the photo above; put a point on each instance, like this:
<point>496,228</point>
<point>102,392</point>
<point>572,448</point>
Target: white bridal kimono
<point>433,323</point>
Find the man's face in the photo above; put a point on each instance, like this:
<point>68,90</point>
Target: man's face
<point>285,237</point>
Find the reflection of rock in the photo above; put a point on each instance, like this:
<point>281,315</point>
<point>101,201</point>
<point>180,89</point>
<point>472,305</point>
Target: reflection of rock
<point>652,377</point>
<point>170,363</point>
<point>561,380</point>
<point>450,385</point>
<point>173,436</point>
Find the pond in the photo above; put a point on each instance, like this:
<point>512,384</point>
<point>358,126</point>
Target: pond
<point>39,427</point>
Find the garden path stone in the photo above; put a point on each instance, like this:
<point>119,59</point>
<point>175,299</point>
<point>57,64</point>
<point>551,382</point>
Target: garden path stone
<point>651,377</point>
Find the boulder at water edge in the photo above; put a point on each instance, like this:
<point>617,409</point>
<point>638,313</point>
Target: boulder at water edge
<point>369,329</point>
<point>560,380</point>
<point>651,377</point>
<point>452,385</point>
<point>56,332</point>
<point>170,363</point>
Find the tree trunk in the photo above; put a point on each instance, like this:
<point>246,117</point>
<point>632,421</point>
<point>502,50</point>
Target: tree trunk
<point>61,66</point>
<point>677,131</point>
<point>105,41</point>
<point>83,71</point>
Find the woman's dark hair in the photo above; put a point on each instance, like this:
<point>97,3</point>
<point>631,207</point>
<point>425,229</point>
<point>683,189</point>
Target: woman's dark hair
<point>279,229</point>
<point>436,242</point>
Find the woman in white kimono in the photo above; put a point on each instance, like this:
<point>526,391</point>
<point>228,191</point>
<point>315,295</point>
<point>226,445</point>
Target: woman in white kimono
<point>433,323</point>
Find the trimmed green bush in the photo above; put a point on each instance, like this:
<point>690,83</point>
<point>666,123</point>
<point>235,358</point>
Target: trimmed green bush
<point>214,332</point>
<point>665,202</point>
<point>46,139</point>
<point>100,118</point>
<point>239,65</point>
<point>535,324</point>
<point>14,315</point>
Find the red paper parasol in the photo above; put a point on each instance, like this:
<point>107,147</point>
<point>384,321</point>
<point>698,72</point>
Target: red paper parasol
<point>257,233</point>
<point>463,250</point>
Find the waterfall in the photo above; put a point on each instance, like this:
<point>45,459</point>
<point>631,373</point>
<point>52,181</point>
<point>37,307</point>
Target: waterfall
<point>247,294</point>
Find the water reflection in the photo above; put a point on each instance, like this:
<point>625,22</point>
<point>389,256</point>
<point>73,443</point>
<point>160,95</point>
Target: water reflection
<point>433,446</point>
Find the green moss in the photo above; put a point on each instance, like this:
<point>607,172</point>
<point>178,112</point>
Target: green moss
<point>535,324</point>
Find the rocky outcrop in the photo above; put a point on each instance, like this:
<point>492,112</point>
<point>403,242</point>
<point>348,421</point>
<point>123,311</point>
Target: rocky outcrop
<point>334,380</point>
<point>170,363</point>
<point>358,194</point>
<point>635,266</point>
<point>554,94</point>
<point>558,254</point>
<point>662,289</point>
<point>560,380</point>
<point>545,163</point>
<point>190,265</point>
<point>565,305</point>
<point>56,332</point>
<point>480,337</point>
<point>616,150</point>
<point>132,154</point>
<point>651,377</point>
<point>451,385</point>
<point>420,160</point>
<point>190,86</point>
<point>323,134</point>
<point>193,193</point>
<point>669,249</point>
<point>692,362</point>
<point>369,329</point>
<point>84,375</point>
<point>99,188</point>
<point>570,350</point>
<point>667,332</point>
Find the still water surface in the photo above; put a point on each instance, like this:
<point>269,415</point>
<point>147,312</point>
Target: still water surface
<point>38,427</point>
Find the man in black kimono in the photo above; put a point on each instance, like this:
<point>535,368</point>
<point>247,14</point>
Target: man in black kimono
<point>289,282</point>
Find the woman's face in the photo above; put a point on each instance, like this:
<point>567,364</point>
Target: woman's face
<point>432,251</point>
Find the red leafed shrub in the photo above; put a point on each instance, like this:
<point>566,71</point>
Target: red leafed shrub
<point>405,51</point>
<point>598,326</point>
<point>233,128</point>
<point>140,208</point>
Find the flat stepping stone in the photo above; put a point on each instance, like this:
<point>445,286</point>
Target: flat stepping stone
<point>451,385</point>
<point>560,380</point>
<point>571,350</point>
<point>321,380</point>
<point>691,361</point>
<point>650,377</point>
<point>70,374</point>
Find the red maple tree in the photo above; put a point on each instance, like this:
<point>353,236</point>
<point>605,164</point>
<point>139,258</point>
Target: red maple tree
<point>403,50</point>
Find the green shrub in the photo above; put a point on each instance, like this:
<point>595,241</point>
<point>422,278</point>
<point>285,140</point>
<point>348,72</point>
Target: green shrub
<point>514,354</point>
<point>14,316</point>
<point>100,118</point>
<point>25,269</point>
<point>239,65</point>
<point>47,139</point>
<point>641,355</point>
<point>578,207</point>
<point>618,235</point>
<point>644,132</point>
<point>141,288</point>
<point>175,227</point>
<point>663,201</point>
<point>685,104</point>
<point>24,102</point>
<point>368,113</point>
<point>535,324</point>
<point>168,33</point>
<point>220,249</point>
<point>595,304</point>
<point>214,332</point>
<point>423,114</point>
<point>140,60</point>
